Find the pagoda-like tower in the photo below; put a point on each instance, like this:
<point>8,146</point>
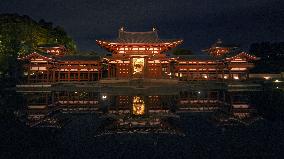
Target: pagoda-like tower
<point>220,49</point>
<point>138,54</point>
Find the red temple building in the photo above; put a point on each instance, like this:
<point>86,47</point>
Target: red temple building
<point>56,50</point>
<point>137,55</point>
<point>219,49</point>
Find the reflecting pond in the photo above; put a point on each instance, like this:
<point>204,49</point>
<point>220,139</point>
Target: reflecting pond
<point>183,124</point>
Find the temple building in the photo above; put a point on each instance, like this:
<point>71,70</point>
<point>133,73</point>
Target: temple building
<point>219,49</point>
<point>137,55</point>
<point>56,50</point>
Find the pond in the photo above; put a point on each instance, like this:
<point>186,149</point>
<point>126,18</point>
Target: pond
<point>177,124</point>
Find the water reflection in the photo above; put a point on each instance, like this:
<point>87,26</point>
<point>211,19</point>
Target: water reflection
<point>138,105</point>
<point>138,113</point>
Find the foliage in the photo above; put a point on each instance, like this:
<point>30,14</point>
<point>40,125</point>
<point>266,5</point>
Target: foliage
<point>19,35</point>
<point>272,57</point>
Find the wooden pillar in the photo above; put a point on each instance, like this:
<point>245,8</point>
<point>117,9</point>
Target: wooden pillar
<point>223,71</point>
<point>47,78</point>
<point>230,77</point>
<point>53,74</point>
<point>216,71</point>
<point>178,71</point>
<point>88,68</point>
<point>88,75</point>
<point>29,68</point>
<point>47,69</point>
<point>59,74</point>
<point>116,69</point>
<point>154,69</point>
<point>187,69</point>
<point>108,70</point>
<point>198,72</point>
<point>169,69</point>
<point>36,79</point>
<point>79,74</point>
<point>98,68</point>
<point>68,75</point>
<point>207,70</point>
<point>229,71</point>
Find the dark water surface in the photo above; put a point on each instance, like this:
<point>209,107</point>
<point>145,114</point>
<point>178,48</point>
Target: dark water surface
<point>180,133</point>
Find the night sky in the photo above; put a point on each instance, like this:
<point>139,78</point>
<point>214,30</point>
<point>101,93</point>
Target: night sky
<point>199,22</point>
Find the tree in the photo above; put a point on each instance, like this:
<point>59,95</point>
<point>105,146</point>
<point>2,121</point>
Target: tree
<point>19,35</point>
<point>271,54</point>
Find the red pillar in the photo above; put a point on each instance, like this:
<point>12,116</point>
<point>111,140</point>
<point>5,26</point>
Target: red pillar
<point>108,71</point>
<point>68,75</point>
<point>169,69</point>
<point>98,67</point>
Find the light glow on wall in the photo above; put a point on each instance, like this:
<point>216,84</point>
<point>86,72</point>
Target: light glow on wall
<point>267,77</point>
<point>104,97</point>
<point>236,77</point>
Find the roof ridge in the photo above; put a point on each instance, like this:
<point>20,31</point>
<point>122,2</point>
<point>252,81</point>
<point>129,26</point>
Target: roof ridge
<point>139,32</point>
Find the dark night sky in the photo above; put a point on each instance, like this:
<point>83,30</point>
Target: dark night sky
<point>198,22</point>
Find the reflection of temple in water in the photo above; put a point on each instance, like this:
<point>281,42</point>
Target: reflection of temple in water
<point>239,112</point>
<point>139,113</point>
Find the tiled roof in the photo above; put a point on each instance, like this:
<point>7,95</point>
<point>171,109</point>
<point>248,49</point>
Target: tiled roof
<point>43,53</point>
<point>139,37</point>
<point>38,52</point>
<point>231,54</point>
<point>207,57</point>
<point>235,53</point>
<point>197,57</point>
<point>79,57</point>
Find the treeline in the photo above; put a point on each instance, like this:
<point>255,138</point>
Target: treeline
<point>272,57</point>
<point>20,35</point>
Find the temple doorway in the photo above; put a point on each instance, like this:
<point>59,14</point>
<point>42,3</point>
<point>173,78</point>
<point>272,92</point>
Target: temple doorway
<point>138,65</point>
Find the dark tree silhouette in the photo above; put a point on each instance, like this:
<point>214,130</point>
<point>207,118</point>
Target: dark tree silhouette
<point>272,57</point>
<point>19,35</point>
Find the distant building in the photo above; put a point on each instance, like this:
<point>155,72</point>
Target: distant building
<point>56,50</point>
<point>220,49</point>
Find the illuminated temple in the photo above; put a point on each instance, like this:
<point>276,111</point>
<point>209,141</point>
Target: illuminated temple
<point>137,55</point>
